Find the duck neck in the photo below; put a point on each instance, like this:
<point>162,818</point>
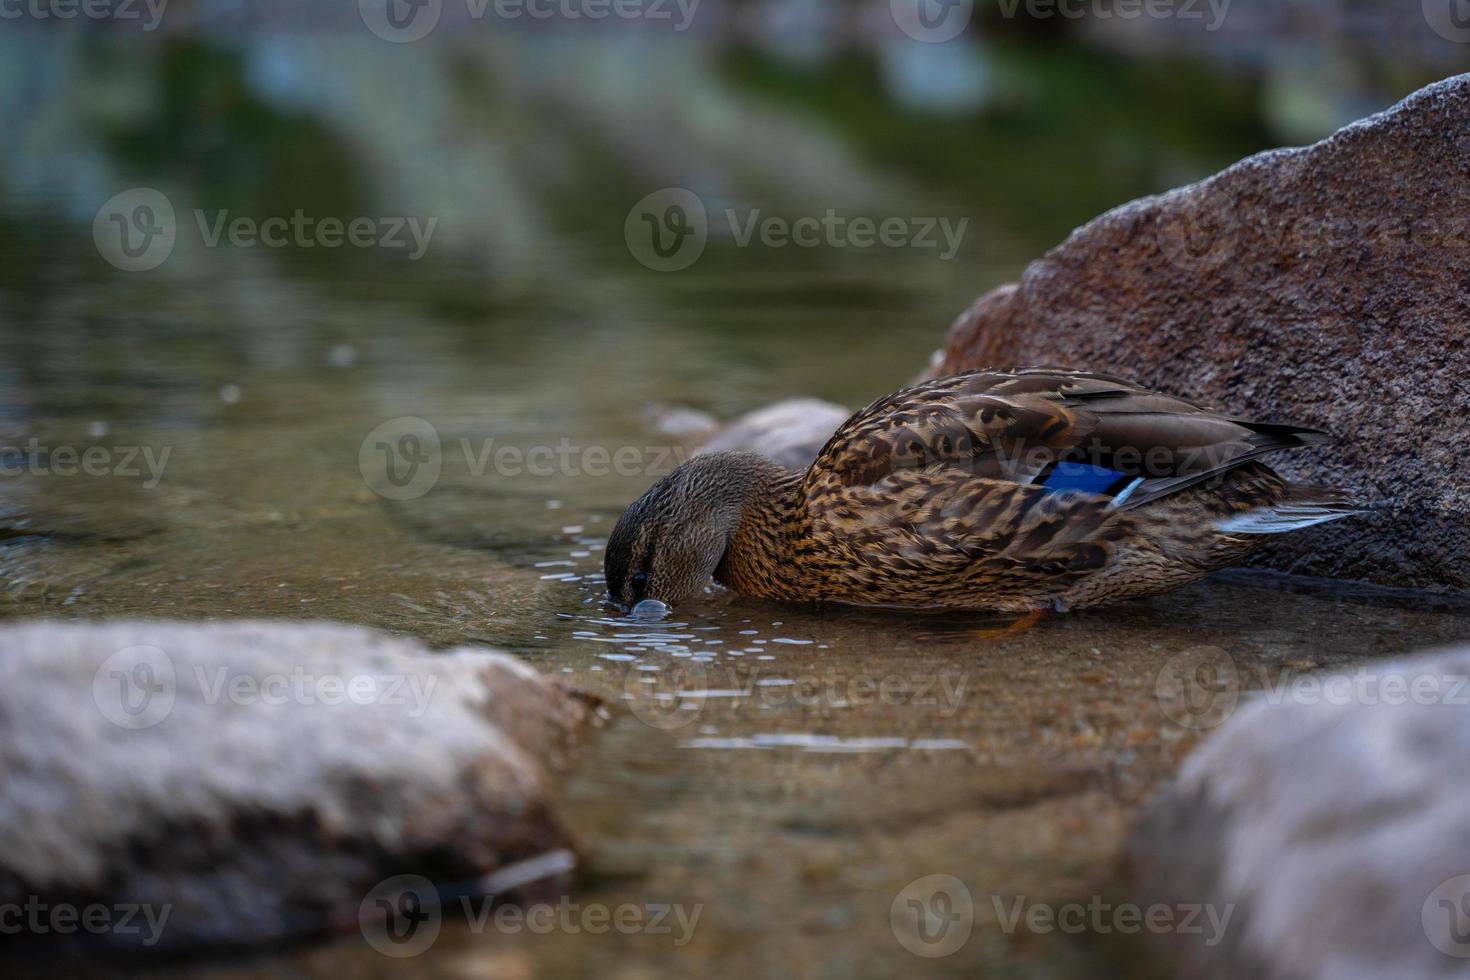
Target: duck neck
<point>759,560</point>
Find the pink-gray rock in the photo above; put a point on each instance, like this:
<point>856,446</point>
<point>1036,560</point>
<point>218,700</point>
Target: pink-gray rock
<point>791,432</point>
<point>247,781</point>
<point>1325,286</point>
<point>1330,821</point>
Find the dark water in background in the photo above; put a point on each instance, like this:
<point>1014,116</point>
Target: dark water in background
<point>789,800</point>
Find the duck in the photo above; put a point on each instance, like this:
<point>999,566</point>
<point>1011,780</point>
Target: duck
<point>1015,491</point>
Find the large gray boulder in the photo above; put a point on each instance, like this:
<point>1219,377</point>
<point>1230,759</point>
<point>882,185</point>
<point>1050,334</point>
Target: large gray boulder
<point>240,782</point>
<point>1325,286</point>
<point>1331,817</point>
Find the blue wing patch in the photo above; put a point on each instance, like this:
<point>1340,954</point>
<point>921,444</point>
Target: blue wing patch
<point>1086,478</point>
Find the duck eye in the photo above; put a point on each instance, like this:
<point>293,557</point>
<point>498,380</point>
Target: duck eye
<point>639,585</point>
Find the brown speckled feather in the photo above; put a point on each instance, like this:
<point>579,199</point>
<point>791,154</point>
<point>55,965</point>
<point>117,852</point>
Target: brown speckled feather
<point>1005,490</point>
<point>926,497</point>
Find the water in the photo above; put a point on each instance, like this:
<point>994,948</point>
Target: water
<point>787,771</point>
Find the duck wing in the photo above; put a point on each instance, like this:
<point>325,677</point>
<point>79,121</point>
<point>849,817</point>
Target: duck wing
<point>1053,428</point>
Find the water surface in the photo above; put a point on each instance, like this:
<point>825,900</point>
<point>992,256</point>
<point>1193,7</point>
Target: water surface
<point>787,770</point>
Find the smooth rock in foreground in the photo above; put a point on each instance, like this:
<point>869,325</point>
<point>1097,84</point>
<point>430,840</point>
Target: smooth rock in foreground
<point>1336,821</point>
<point>255,779</point>
<point>791,432</point>
<point>1327,286</point>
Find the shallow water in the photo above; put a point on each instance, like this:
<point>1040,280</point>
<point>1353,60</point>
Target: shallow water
<point>789,771</point>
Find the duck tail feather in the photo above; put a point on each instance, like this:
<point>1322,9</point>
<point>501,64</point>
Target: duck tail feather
<point>1303,506</point>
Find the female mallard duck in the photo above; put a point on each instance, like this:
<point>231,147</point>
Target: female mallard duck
<point>1013,491</point>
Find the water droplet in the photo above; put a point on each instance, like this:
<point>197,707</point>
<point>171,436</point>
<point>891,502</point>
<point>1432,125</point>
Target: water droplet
<point>649,611</point>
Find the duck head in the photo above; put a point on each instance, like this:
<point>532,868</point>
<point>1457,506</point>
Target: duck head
<point>669,543</point>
